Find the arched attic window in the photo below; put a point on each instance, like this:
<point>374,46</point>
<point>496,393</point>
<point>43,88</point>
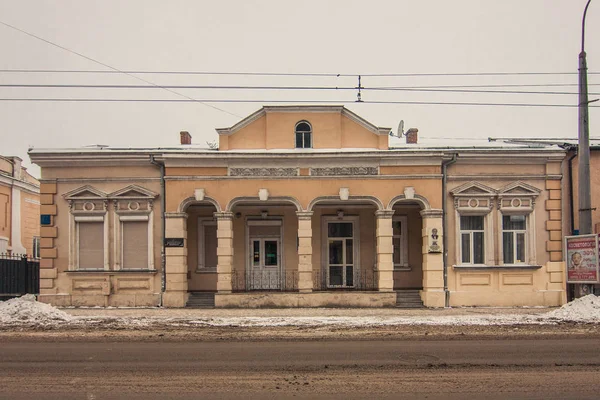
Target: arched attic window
<point>303,135</point>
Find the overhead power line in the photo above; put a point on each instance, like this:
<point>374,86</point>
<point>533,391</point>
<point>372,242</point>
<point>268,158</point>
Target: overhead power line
<point>240,73</point>
<point>312,88</point>
<point>89,100</point>
<point>110,67</point>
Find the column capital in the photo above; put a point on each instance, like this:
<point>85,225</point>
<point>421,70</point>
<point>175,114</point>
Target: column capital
<point>304,215</point>
<point>225,215</point>
<point>433,213</point>
<point>384,214</point>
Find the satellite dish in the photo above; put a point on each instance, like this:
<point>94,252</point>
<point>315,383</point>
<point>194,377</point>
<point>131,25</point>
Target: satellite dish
<point>401,128</point>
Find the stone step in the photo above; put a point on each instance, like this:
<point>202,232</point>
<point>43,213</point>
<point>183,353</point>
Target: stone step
<point>201,300</point>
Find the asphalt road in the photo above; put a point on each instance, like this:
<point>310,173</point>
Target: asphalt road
<point>449,369</point>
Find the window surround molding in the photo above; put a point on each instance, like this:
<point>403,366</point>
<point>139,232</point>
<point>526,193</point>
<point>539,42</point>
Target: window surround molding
<point>517,198</point>
<point>475,199</point>
<point>202,223</point>
<point>132,203</point>
<point>86,204</point>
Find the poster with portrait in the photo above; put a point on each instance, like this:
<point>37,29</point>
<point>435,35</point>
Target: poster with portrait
<point>581,255</point>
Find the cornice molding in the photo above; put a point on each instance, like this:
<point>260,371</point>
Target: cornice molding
<point>10,181</point>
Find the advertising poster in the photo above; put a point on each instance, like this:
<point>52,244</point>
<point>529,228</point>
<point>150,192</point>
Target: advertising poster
<point>582,258</point>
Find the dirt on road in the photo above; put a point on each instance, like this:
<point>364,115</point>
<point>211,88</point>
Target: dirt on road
<point>110,330</point>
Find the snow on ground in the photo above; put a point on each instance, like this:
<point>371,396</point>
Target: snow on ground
<point>27,311</point>
<point>584,309</point>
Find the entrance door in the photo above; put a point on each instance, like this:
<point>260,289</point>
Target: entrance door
<point>340,255</point>
<point>264,270</point>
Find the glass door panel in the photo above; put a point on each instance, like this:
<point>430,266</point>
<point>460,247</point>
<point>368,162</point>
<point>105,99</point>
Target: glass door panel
<point>271,253</point>
<point>340,254</point>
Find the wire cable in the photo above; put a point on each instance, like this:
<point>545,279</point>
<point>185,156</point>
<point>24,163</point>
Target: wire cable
<point>79,71</point>
<point>110,67</point>
<point>293,102</point>
<point>314,88</point>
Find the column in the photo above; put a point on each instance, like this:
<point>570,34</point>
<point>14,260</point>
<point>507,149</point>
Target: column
<point>224,250</point>
<point>305,270</point>
<point>433,294</point>
<point>385,250</point>
<point>176,261</point>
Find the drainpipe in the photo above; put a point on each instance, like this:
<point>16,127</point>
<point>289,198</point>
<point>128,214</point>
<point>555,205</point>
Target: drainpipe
<point>163,204</point>
<point>571,201</point>
<point>445,165</point>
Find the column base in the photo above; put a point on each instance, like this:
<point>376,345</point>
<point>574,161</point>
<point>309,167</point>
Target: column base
<point>174,299</point>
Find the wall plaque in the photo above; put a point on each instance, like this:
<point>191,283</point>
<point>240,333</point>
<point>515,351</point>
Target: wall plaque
<point>174,242</point>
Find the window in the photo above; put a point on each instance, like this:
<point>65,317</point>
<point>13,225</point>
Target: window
<point>135,244</point>
<point>514,231</point>
<point>207,244</point>
<point>303,135</point>
<point>90,240</point>
<point>472,239</point>
<point>36,247</point>
<point>400,242</point>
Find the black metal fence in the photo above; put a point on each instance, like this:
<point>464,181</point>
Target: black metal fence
<point>284,281</point>
<point>19,275</point>
<point>363,280</point>
<point>287,281</point>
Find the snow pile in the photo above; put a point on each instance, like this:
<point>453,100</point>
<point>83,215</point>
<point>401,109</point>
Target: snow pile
<point>584,309</point>
<point>26,310</point>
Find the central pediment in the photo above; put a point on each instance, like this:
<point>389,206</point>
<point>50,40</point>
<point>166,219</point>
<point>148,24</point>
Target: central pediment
<point>303,128</point>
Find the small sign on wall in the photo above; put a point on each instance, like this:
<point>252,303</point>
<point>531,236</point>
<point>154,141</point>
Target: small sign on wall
<point>434,244</point>
<point>45,219</point>
<point>174,242</point>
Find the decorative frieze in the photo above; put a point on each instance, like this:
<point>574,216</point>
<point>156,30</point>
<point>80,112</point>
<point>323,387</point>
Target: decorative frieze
<point>343,171</point>
<point>263,171</point>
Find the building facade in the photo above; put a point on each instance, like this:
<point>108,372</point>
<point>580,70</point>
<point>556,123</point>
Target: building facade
<point>303,206</point>
<point>19,209</point>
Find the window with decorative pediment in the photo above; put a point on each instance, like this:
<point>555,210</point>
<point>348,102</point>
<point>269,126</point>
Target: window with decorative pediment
<point>475,216</point>
<point>474,203</point>
<point>516,203</point>
<point>133,226</point>
<point>88,227</point>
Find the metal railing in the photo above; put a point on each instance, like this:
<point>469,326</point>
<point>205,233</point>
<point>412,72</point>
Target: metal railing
<point>363,280</point>
<point>284,281</point>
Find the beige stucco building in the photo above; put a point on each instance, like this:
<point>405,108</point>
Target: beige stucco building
<point>19,209</point>
<point>304,206</point>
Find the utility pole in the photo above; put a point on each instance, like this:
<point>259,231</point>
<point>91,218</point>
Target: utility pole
<point>583,156</point>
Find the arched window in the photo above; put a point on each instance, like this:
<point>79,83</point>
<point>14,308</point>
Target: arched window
<point>303,135</point>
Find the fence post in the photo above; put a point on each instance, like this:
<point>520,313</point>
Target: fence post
<point>24,276</point>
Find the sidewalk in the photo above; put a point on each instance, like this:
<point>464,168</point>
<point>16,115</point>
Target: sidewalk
<point>300,312</point>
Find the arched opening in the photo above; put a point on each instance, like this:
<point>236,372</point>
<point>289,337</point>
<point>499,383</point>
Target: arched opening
<point>407,241</point>
<point>265,250</point>
<point>344,243</point>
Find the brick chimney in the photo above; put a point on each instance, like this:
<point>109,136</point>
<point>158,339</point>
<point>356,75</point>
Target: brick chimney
<point>412,136</point>
<point>185,137</point>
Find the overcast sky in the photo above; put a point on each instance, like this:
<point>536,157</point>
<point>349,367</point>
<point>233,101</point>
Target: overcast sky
<point>344,37</point>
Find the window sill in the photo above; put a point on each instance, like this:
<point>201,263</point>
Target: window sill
<point>206,271</point>
<point>402,269</point>
<point>119,271</point>
<point>496,267</point>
